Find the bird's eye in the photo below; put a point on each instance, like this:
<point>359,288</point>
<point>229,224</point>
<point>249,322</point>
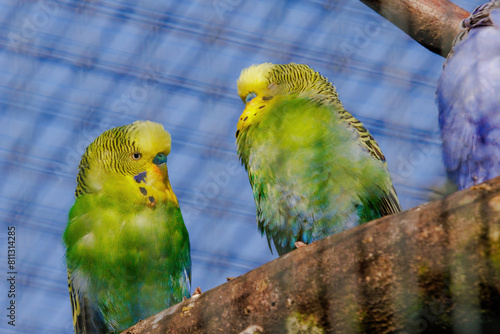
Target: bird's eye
<point>250,97</point>
<point>159,159</point>
<point>136,155</point>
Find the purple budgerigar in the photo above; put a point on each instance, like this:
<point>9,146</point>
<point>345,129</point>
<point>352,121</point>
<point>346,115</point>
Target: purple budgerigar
<point>468,95</point>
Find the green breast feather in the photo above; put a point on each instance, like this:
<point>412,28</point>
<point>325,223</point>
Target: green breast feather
<point>128,262</point>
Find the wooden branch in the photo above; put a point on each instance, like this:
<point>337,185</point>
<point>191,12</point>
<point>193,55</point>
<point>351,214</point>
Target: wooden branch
<point>432,23</point>
<point>434,268</point>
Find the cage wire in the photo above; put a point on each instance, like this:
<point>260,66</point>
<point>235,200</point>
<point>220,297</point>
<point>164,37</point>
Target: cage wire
<point>72,69</point>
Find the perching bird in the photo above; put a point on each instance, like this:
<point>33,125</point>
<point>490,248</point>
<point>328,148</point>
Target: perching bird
<point>314,169</point>
<point>127,248</point>
<point>468,97</point>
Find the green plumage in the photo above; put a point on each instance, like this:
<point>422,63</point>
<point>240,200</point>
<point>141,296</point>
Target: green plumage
<point>314,169</point>
<point>128,257</point>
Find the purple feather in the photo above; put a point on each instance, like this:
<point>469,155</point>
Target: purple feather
<point>468,97</point>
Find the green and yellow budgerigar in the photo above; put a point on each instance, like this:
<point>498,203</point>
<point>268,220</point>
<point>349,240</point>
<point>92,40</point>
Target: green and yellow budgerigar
<point>127,248</point>
<point>314,169</point>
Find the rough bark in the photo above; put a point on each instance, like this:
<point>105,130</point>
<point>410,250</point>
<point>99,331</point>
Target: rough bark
<point>431,269</point>
<point>432,23</point>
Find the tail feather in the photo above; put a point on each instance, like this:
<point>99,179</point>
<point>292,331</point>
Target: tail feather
<point>86,320</point>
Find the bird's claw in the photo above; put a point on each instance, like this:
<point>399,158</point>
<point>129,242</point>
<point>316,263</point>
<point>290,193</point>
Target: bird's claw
<point>299,244</point>
<point>196,292</point>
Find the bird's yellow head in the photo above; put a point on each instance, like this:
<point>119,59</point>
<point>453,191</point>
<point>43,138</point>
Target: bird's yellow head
<point>257,92</point>
<point>261,86</point>
<point>136,153</point>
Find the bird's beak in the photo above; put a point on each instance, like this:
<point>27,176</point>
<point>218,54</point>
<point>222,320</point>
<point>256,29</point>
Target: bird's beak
<point>163,169</point>
<point>245,119</point>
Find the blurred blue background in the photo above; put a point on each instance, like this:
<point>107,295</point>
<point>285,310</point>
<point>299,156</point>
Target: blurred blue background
<point>72,69</point>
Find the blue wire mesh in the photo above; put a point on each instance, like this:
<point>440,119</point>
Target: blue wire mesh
<point>72,69</point>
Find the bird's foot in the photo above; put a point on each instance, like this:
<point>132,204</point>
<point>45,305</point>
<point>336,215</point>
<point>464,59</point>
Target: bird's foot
<point>481,186</point>
<point>299,244</point>
<point>196,292</point>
